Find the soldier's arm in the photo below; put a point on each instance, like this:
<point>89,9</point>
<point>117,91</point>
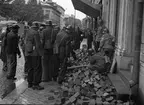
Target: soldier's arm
<point>43,38</point>
<point>38,43</point>
<point>18,50</point>
<point>101,43</point>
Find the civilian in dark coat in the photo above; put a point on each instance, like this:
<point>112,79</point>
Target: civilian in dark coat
<point>48,39</point>
<point>34,52</point>
<point>3,47</point>
<point>12,50</point>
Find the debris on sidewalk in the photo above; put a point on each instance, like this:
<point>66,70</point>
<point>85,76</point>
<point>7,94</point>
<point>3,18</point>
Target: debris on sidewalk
<point>83,86</point>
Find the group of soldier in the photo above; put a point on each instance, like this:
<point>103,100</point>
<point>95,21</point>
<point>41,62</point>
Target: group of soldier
<point>45,48</point>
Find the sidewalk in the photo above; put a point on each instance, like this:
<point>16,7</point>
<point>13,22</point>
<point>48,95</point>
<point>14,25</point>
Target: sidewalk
<point>24,95</point>
<point>5,83</point>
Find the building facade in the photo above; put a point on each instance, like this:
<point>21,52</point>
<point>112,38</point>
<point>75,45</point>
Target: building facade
<point>53,12</point>
<point>62,11</point>
<point>125,20</point>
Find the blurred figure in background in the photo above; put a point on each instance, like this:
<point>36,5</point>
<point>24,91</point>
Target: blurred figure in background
<point>89,38</point>
<point>78,38</point>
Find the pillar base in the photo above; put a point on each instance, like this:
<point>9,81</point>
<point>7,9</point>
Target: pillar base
<point>123,60</point>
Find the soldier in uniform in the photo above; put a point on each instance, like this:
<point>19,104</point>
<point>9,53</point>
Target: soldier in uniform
<point>106,43</point>
<point>34,52</point>
<point>63,42</point>
<point>47,43</point>
<point>12,50</point>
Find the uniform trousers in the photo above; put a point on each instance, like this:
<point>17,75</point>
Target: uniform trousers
<point>11,64</point>
<point>47,65</point>
<point>34,70</point>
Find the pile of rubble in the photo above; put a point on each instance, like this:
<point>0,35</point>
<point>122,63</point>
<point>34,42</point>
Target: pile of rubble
<point>82,86</point>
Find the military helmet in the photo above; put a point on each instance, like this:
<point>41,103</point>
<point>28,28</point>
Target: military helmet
<point>49,23</point>
<point>35,25</point>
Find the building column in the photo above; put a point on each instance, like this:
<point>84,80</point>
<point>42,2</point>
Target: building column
<point>105,12</point>
<point>138,72</point>
<point>125,35</point>
<point>112,17</point>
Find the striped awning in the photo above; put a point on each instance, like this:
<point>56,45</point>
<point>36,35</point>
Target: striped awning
<point>87,7</point>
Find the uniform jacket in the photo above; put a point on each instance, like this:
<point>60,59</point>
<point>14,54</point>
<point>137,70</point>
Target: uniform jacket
<point>62,43</point>
<point>48,38</point>
<point>12,43</point>
<point>33,46</point>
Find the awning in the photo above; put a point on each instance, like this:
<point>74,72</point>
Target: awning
<point>86,7</point>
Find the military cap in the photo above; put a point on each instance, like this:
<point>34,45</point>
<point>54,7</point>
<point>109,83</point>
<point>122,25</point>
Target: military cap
<point>35,25</point>
<point>49,23</point>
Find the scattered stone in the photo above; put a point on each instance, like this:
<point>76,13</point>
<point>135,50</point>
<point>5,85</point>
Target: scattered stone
<point>72,99</point>
<point>92,102</point>
<point>51,98</point>
<point>99,101</point>
<point>99,93</point>
<point>65,93</point>
<point>106,103</point>
<point>109,90</point>
<point>105,94</point>
<point>83,86</point>
<point>109,99</point>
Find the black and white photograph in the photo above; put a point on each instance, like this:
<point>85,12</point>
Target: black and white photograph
<point>72,52</point>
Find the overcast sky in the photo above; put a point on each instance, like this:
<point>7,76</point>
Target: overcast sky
<point>68,6</point>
